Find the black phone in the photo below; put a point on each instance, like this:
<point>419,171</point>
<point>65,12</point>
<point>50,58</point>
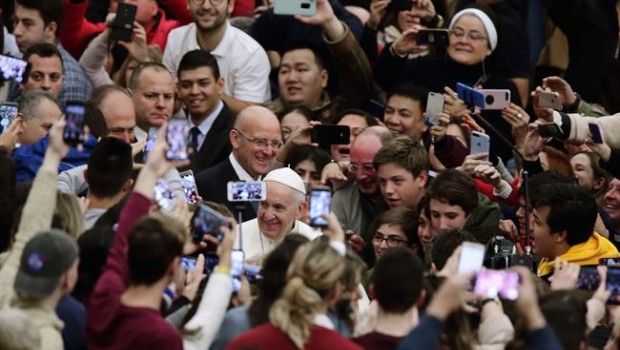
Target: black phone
<point>595,131</point>
<point>176,136</point>
<point>74,117</point>
<point>122,26</point>
<point>211,260</point>
<point>207,221</point>
<point>13,69</point>
<point>320,203</point>
<point>8,112</point>
<point>399,5</point>
<point>549,130</point>
<point>433,37</point>
<point>331,134</point>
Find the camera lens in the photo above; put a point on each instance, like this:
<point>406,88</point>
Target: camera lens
<point>489,99</point>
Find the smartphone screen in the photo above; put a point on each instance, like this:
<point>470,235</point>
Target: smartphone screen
<point>236,268</point>
<point>595,131</point>
<point>8,112</point>
<point>613,285</point>
<point>163,196</point>
<point>472,256</point>
<point>188,263</point>
<point>588,278</point>
<point>320,203</point>
<point>246,191</point>
<point>13,68</point>
<point>211,261</point>
<point>207,221</point>
<point>176,136</point>
<point>494,283</point>
<point>609,261</point>
<point>74,117</point>
<point>189,186</point>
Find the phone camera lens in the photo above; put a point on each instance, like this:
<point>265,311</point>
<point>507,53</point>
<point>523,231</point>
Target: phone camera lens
<point>489,99</point>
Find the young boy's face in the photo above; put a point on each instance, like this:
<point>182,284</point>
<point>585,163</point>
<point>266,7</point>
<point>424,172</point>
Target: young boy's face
<point>403,116</point>
<point>399,187</point>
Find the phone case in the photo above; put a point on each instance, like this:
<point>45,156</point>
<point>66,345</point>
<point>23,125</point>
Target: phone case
<point>433,37</point>
<point>595,131</point>
<point>495,99</point>
<point>434,106</point>
<point>469,95</point>
<point>122,27</point>
<point>480,143</point>
<point>549,100</point>
<point>295,7</point>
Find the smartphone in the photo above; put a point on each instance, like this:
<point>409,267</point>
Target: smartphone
<point>497,283</point>
<point>8,112</point>
<point>207,221</point>
<point>122,26</point>
<point>163,196</point>
<point>613,285</point>
<point>495,99</point>
<point>549,130</point>
<point>399,5</point>
<point>252,272</point>
<point>595,131</point>
<point>246,191</point>
<point>150,143</point>
<point>609,261</point>
<point>188,263</point>
<point>13,69</point>
<point>211,261</point>
<point>189,186</point>
<point>176,136</point>
<point>472,97</point>
<point>74,117</point>
<point>295,7</point>
<point>434,106</point>
<point>433,37</point>
<point>331,134</point>
<point>480,143</point>
<point>320,203</point>
<point>236,269</point>
<point>472,256</point>
<point>547,99</point>
<point>588,278</point>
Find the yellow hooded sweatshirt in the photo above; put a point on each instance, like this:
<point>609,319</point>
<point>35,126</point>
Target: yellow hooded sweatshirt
<point>586,253</point>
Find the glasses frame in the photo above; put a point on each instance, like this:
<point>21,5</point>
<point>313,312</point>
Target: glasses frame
<point>261,143</point>
<point>380,238</point>
<point>201,2</point>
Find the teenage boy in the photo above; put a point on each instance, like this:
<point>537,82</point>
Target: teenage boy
<point>402,168</point>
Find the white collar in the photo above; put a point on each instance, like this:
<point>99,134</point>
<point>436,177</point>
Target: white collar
<point>323,321</point>
<point>223,47</point>
<point>241,173</point>
<point>206,124</point>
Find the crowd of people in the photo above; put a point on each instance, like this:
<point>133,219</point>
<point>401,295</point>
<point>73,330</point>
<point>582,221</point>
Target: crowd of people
<point>373,174</point>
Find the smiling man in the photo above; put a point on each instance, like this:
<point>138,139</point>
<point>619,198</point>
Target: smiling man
<point>200,87</point>
<point>612,207</point>
<point>255,139</point>
<point>277,216</point>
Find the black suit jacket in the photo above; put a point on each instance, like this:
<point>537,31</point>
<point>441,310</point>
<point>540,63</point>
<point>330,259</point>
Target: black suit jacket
<point>216,146</point>
<point>212,186</point>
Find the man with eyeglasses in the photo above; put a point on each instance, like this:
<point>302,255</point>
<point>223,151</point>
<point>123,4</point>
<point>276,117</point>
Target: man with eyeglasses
<point>255,139</point>
<point>357,204</point>
<point>242,61</point>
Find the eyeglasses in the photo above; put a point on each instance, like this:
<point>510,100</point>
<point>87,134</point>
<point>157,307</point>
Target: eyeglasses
<point>367,168</point>
<point>471,35</point>
<point>200,2</point>
<point>390,240</point>
<point>262,143</point>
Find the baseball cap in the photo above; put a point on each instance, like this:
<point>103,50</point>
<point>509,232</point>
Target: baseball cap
<point>45,258</point>
<point>288,177</point>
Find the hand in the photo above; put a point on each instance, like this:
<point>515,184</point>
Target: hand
<point>301,136</point>
<point>527,302</point>
<point>225,247</point>
<point>323,17</point>
<point>8,139</point>
<point>406,42</point>
<point>510,230</point>
<point>471,162</point>
<point>183,213</point>
<point>332,172</point>
<point>105,35</point>
<point>518,120</point>
<point>333,230</point>
<point>602,294</point>
<point>355,241</point>
<point>562,87</point>
<point>451,295</point>
<point>564,275</point>
<point>533,143</point>
<point>602,149</point>
<point>452,105</point>
<point>377,12</point>
<point>545,114</point>
<point>193,278</point>
<point>440,129</point>
<point>423,9</point>
<point>488,174</point>
<point>57,144</point>
<point>244,295</point>
<point>137,46</point>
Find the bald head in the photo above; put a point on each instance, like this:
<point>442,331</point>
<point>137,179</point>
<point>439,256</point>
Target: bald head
<point>380,132</point>
<point>255,139</point>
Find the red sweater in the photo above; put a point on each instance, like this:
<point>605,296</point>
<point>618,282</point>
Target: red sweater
<point>76,31</point>
<point>267,337</point>
<point>112,325</point>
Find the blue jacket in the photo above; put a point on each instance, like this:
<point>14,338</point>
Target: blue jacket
<point>28,159</point>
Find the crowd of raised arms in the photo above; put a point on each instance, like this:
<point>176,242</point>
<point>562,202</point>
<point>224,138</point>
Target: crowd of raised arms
<point>310,174</point>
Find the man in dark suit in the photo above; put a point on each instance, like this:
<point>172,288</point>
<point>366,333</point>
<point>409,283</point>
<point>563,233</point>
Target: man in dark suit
<point>199,87</point>
<point>255,139</point>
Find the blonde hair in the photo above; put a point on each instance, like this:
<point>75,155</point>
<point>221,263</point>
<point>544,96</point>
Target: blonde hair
<point>314,272</point>
<point>17,332</point>
<point>153,54</point>
<point>70,212</point>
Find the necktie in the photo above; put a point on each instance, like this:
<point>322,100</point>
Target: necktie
<point>193,134</point>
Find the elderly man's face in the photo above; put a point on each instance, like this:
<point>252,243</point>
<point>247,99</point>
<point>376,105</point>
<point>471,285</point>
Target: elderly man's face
<point>277,214</point>
<point>33,130</point>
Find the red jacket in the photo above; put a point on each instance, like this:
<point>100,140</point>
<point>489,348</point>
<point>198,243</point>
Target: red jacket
<point>244,8</point>
<point>487,190</point>
<point>76,31</point>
